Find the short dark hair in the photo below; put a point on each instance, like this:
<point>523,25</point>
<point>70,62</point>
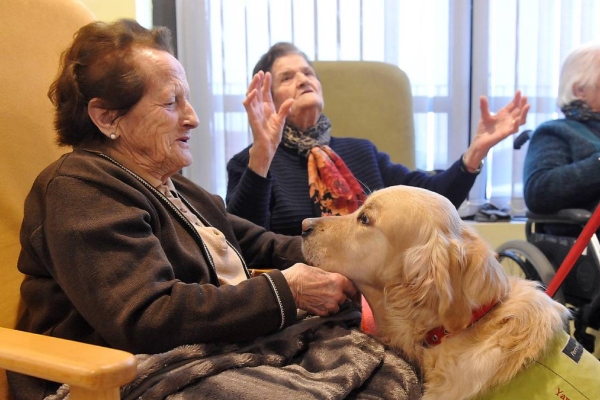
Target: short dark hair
<point>100,63</point>
<point>276,51</point>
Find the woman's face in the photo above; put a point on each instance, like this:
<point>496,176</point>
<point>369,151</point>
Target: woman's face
<point>154,134</point>
<point>294,78</point>
<point>590,94</point>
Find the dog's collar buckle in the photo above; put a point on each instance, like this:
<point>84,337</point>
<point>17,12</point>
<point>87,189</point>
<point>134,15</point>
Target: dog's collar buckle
<point>435,336</point>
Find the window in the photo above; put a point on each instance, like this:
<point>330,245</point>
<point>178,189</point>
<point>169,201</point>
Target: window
<point>522,44</point>
<point>452,50</point>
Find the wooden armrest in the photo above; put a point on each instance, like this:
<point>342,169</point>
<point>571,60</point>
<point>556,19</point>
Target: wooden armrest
<point>92,372</point>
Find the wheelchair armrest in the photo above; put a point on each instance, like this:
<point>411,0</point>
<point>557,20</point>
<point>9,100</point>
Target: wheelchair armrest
<point>567,216</point>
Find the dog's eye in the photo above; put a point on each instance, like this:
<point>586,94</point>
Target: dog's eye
<point>364,219</point>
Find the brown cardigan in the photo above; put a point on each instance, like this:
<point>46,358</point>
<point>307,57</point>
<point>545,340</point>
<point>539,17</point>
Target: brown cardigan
<point>109,261</point>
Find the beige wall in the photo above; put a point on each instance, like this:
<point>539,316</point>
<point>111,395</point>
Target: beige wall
<point>109,10</point>
<point>497,233</point>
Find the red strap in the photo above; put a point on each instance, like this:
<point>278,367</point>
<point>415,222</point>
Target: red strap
<point>580,244</point>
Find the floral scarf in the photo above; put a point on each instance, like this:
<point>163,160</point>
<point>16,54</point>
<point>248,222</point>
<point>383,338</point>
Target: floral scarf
<point>580,111</point>
<point>332,187</point>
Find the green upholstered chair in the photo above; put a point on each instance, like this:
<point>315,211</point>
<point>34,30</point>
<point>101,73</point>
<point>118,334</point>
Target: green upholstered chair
<point>371,100</point>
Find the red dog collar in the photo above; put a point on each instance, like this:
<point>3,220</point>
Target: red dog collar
<point>434,336</point>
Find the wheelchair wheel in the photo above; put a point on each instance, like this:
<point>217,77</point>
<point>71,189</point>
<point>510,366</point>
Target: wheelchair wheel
<point>523,259</point>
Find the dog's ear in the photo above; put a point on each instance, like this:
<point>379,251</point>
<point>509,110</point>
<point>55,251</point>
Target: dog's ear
<point>435,270</point>
<point>476,276</point>
<point>455,309</point>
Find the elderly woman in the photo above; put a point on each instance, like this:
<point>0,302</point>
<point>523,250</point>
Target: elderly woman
<point>120,250</point>
<point>282,178</point>
<point>562,165</point>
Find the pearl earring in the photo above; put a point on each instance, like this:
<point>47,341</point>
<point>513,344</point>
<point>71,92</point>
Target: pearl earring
<point>113,136</point>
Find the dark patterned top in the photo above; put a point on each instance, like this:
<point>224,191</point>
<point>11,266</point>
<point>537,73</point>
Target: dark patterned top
<point>281,201</point>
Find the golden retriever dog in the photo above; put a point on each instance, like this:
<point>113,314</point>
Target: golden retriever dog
<point>437,292</point>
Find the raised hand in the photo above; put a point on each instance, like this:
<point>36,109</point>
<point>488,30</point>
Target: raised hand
<point>266,122</point>
<point>493,128</point>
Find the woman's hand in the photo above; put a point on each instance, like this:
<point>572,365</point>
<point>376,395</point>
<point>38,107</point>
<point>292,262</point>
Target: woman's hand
<point>266,123</point>
<point>492,129</point>
<point>319,292</point>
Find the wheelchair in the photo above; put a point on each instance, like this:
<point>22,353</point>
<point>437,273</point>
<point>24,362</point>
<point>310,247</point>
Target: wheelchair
<point>542,253</point>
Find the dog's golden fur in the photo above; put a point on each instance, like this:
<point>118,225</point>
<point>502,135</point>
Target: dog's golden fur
<point>419,267</point>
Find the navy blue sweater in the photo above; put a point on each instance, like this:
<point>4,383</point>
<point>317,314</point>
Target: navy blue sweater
<point>281,201</point>
<point>561,168</point>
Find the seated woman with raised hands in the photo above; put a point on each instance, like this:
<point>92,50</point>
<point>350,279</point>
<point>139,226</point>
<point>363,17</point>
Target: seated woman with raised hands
<point>295,168</point>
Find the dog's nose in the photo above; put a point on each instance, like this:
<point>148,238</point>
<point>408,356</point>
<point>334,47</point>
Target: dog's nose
<point>307,226</point>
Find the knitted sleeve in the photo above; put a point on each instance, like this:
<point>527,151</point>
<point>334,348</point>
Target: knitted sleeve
<point>248,194</point>
<point>375,170</point>
<point>453,183</point>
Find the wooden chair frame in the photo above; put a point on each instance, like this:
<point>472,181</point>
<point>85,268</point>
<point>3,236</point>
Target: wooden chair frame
<point>34,33</point>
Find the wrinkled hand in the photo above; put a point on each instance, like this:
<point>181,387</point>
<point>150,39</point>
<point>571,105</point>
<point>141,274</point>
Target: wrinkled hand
<point>319,292</point>
<point>266,123</point>
<point>493,128</point>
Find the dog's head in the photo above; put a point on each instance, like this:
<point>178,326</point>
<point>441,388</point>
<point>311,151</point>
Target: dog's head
<point>408,248</point>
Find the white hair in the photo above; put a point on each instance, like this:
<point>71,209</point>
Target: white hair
<point>581,68</point>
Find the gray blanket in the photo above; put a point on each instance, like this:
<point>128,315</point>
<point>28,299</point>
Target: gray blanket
<point>317,358</point>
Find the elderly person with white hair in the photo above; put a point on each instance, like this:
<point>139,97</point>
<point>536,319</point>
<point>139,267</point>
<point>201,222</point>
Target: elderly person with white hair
<point>562,166</point>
